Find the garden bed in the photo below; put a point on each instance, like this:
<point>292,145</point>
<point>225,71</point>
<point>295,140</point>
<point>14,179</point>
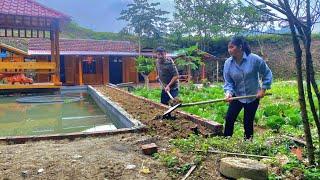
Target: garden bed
<point>148,113</point>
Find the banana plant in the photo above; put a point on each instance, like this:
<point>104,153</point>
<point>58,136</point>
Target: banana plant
<point>189,58</point>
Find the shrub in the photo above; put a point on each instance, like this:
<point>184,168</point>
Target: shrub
<point>275,122</point>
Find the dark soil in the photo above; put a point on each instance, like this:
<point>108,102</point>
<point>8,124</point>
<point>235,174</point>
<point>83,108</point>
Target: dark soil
<point>149,114</point>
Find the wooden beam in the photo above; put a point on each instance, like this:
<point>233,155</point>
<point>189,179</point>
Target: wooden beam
<point>28,65</point>
<point>29,86</point>
<point>57,50</point>
<point>217,71</point>
<point>80,72</point>
<point>203,71</point>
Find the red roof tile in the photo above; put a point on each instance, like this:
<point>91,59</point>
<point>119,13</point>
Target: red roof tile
<point>83,45</point>
<point>28,8</point>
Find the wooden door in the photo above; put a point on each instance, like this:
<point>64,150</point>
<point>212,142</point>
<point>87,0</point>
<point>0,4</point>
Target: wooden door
<point>70,67</point>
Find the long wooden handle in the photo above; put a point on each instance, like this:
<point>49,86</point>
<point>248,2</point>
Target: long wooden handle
<point>169,94</point>
<point>218,100</point>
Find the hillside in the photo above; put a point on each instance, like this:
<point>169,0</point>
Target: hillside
<point>74,31</point>
<point>281,58</point>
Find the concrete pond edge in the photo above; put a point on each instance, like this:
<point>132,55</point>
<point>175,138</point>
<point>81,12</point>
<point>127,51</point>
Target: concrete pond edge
<point>124,121</point>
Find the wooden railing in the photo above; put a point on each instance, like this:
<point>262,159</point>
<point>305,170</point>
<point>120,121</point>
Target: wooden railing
<point>28,65</point>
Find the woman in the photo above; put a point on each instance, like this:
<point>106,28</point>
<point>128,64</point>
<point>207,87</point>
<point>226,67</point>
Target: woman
<point>241,74</point>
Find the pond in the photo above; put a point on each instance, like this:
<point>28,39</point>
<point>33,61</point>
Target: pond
<point>19,119</point>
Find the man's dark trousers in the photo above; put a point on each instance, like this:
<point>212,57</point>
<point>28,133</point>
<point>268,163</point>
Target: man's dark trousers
<point>165,97</point>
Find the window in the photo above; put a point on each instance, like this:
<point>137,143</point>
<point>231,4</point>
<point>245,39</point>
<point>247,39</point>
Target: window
<point>89,67</point>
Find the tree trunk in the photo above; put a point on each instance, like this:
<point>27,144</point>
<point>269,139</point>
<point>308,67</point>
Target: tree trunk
<point>302,102</point>
<point>189,73</point>
<point>146,80</point>
<point>139,44</point>
<point>309,69</point>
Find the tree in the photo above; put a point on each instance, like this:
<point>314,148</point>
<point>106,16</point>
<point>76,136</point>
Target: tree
<point>191,58</point>
<point>209,18</point>
<point>300,16</point>
<point>145,66</point>
<point>203,18</point>
<point>145,19</point>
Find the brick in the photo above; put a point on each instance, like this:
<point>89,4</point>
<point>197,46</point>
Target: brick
<point>149,149</point>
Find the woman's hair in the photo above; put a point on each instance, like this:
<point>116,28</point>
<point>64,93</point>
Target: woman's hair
<point>240,42</point>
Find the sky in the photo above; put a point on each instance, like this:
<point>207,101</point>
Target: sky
<point>98,15</point>
<point>101,15</point>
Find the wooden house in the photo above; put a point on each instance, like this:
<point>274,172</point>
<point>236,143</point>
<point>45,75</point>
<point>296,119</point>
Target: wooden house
<point>94,62</point>
<point>29,19</point>
<point>82,61</point>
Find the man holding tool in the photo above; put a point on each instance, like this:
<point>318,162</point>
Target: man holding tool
<point>167,75</point>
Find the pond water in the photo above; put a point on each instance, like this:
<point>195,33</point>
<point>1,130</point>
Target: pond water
<point>18,119</point>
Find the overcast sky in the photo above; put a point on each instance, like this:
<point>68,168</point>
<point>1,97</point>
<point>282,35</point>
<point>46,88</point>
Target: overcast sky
<point>101,15</point>
<point>98,15</point>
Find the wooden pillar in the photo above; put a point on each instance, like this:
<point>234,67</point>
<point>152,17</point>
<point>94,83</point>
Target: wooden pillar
<point>203,72</point>
<point>52,39</point>
<point>137,78</point>
<point>80,72</point>
<point>189,73</point>
<point>124,69</point>
<point>105,69</point>
<point>57,55</point>
<point>137,73</point>
<point>217,71</point>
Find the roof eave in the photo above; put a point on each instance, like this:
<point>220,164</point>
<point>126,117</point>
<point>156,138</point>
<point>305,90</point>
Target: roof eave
<point>16,50</point>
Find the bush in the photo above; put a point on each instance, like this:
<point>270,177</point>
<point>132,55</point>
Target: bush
<point>275,122</point>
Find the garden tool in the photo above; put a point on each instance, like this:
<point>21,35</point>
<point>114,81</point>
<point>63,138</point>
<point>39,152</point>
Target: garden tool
<point>173,100</point>
<point>167,113</point>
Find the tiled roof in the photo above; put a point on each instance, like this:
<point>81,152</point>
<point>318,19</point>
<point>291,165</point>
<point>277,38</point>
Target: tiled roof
<point>40,46</point>
<point>83,45</point>
<point>19,43</point>
<point>28,8</point>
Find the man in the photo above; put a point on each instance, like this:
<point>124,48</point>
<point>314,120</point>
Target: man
<point>167,75</point>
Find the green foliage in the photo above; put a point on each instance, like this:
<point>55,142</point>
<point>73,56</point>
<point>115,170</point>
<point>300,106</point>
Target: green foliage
<point>261,145</point>
<point>275,122</point>
<point>276,112</point>
<point>189,57</point>
<point>144,18</point>
<point>284,114</point>
<point>168,159</point>
<point>153,95</point>
<point>185,168</point>
<point>312,173</point>
<point>73,31</point>
<point>293,117</point>
<point>188,144</point>
<point>211,18</point>
<point>276,109</point>
<point>316,36</point>
<point>145,65</point>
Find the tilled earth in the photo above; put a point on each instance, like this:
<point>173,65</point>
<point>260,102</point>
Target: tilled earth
<point>110,157</point>
<point>149,115</point>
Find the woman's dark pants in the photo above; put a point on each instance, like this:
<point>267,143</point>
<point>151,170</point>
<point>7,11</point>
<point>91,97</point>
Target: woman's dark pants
<point>249,113</point>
